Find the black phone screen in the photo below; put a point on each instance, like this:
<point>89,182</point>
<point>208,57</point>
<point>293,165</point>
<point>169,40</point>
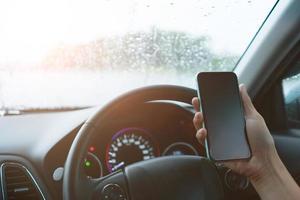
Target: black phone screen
<point>223,116</point>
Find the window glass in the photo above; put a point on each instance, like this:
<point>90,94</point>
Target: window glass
<point>291,89</point>
<point>77,53</point>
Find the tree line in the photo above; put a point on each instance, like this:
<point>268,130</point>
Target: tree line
<point>153,50</point>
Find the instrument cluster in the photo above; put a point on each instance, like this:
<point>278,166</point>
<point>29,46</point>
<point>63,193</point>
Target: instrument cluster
<point>149,131</point>
<point>130,145</point>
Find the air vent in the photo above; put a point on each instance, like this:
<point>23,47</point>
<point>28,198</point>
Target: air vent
<point>18,183</point>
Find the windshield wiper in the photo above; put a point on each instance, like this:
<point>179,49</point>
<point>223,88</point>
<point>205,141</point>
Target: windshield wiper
<point>6,112</point>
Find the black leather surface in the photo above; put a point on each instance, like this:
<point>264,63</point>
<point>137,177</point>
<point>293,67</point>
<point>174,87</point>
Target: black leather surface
<point>174,178</point>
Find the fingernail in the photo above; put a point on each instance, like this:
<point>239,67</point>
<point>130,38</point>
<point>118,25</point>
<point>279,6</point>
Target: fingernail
<point>243,87</point>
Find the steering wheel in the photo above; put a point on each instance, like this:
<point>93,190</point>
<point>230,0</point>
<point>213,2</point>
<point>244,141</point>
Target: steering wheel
<point>170,177</point>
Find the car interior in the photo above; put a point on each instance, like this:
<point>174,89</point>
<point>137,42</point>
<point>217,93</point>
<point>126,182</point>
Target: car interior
<point>141,145</point>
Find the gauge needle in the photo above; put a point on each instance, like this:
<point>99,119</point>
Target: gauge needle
<point>121,164</point>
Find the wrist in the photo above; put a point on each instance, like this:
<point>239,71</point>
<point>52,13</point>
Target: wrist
<point>269,166</point>
<point>273,180</point>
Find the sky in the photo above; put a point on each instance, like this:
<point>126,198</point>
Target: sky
<point>29,29</point>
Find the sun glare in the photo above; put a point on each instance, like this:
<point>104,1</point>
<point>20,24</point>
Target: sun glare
<point>53,50</point>
<point>29,29</point>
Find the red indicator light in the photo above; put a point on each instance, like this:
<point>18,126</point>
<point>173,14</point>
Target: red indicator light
<point>91,149</point>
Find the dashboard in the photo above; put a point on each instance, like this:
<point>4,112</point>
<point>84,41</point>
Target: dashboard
<point>145,132</point>
<point>160,129</point>
<point>40,142</point>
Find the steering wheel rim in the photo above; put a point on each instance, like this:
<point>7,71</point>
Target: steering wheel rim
<point>74,178</point>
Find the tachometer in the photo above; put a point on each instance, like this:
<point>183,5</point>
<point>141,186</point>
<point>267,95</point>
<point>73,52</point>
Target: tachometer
<point>128,146</point>
<point>180,148</point>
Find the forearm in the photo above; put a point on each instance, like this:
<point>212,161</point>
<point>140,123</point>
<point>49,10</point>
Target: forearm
<point>275,182</point>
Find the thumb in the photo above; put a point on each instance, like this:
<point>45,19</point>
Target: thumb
<point>249,108</point>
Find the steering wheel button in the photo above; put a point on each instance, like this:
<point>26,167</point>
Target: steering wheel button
<point>113,192</point>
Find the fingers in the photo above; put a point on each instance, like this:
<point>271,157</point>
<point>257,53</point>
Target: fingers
<point>201,135</point>
<point>249,108</point>
<point>198,120</point>
<point>195,102</point>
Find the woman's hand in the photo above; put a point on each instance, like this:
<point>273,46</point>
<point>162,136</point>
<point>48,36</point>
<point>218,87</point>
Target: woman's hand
<point>260,139</point>
<point>264,169</point>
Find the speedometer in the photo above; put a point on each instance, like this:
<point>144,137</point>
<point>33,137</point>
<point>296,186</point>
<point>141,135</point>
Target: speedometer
<point>128,146</point>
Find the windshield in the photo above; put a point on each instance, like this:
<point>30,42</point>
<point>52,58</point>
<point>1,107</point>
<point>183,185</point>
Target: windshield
<point>75,53</point>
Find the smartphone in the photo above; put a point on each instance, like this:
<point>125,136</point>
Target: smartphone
<point>223,114</point>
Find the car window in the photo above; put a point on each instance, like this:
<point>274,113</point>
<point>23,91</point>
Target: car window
<point>78,53</point>
<point>291,91</point>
